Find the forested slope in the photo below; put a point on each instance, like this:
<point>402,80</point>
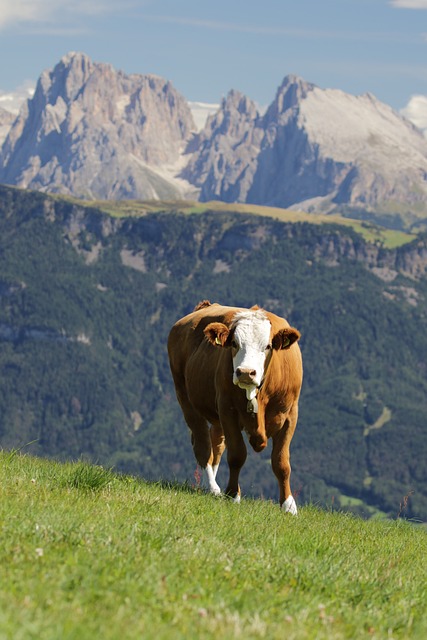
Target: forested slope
<point>87,299</point>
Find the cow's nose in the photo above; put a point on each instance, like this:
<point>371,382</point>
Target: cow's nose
<point>245,376</point>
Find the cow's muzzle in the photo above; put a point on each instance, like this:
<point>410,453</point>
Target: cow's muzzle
<point>245,376</point>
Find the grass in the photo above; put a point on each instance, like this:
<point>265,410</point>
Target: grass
<point>371,232</point>
<point>85,553</point>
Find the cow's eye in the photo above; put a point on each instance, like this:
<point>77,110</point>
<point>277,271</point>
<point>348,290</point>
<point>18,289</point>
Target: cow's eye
<point>269,347</point>
<point>234,344</point>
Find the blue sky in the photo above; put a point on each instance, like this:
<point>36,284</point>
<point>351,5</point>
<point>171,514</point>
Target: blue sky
<point>208,47</point>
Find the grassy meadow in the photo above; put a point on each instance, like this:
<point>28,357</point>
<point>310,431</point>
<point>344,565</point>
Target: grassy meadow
<point>86,553</point>
<point>370,232</point>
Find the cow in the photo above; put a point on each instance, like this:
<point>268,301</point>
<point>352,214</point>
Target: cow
<point>234,370</point>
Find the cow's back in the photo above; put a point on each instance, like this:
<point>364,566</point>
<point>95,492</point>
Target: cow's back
<point>187,335</point>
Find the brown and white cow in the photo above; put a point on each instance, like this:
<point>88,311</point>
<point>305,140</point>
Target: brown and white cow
<point>237,370</point>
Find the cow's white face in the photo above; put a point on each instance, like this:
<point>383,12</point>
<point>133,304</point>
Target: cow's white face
<point>251,342</point>
<point>251,345</point>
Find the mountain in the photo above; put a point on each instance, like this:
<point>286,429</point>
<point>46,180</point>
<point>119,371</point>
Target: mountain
<point>346,152</point>
<point>87,299</point>
<point>223,155</point>
<point>316,150</point>
<point>6,120</point>
<point>92,131</point>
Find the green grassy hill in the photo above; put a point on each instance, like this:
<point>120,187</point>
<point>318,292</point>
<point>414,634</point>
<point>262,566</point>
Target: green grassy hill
<point>87,298</point>
<point>85,553</point>
<point>371,232</point>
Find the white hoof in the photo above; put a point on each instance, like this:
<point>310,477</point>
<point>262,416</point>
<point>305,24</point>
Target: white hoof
<point>213,486</point>
<point>236,499</point>
<point>290,506</point>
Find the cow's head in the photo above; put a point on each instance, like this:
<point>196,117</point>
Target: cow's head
<point>251,340</point>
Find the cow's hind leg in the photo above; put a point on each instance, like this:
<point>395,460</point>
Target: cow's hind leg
<point>280,461</point>
<point>201,440</point>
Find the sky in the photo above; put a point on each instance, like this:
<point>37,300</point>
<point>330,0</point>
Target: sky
<point>206,48</point>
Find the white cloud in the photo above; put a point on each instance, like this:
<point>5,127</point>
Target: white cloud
<point>14,12</point>
<point>409,4</point>
<point>416,112</point>
<point>13,100</point>
<point>201,111</point>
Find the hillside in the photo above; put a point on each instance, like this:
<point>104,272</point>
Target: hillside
<point>87,299</point>
<point>373,233</point>
<point>85,553</point>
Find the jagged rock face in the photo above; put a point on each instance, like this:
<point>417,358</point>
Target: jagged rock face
<point>95,132</point>
<point>291,168</point>
<point>6,120</point>
<point>316,150</point>
<point>224,153</point>
<point>382,156</point>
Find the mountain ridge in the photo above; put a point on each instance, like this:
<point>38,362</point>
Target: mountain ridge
<point>94,132</point>
<point>89,130</point>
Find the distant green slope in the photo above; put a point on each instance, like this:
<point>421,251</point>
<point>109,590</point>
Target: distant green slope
<point>371,232</point>
<point>88,554</point>
<point>87,299</point>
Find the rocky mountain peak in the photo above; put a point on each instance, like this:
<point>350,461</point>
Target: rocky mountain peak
<point>96,132</point>
<point>237,101</point>
<point>288,97</point>
<point>63,83</point>
<point>222,154</point>
<point>236,114</point>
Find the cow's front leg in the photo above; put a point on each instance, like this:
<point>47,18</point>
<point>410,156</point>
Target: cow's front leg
<point>218,446</point>
<point>280,461</point>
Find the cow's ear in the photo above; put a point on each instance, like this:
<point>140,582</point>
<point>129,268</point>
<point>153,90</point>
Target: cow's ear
<point>285,338</point>
<point>217,334</point>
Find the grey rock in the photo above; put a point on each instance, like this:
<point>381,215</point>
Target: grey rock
<point>95,132</point>
<point>223,156</point>
<point>315,150</point>
<point>6,120</point>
